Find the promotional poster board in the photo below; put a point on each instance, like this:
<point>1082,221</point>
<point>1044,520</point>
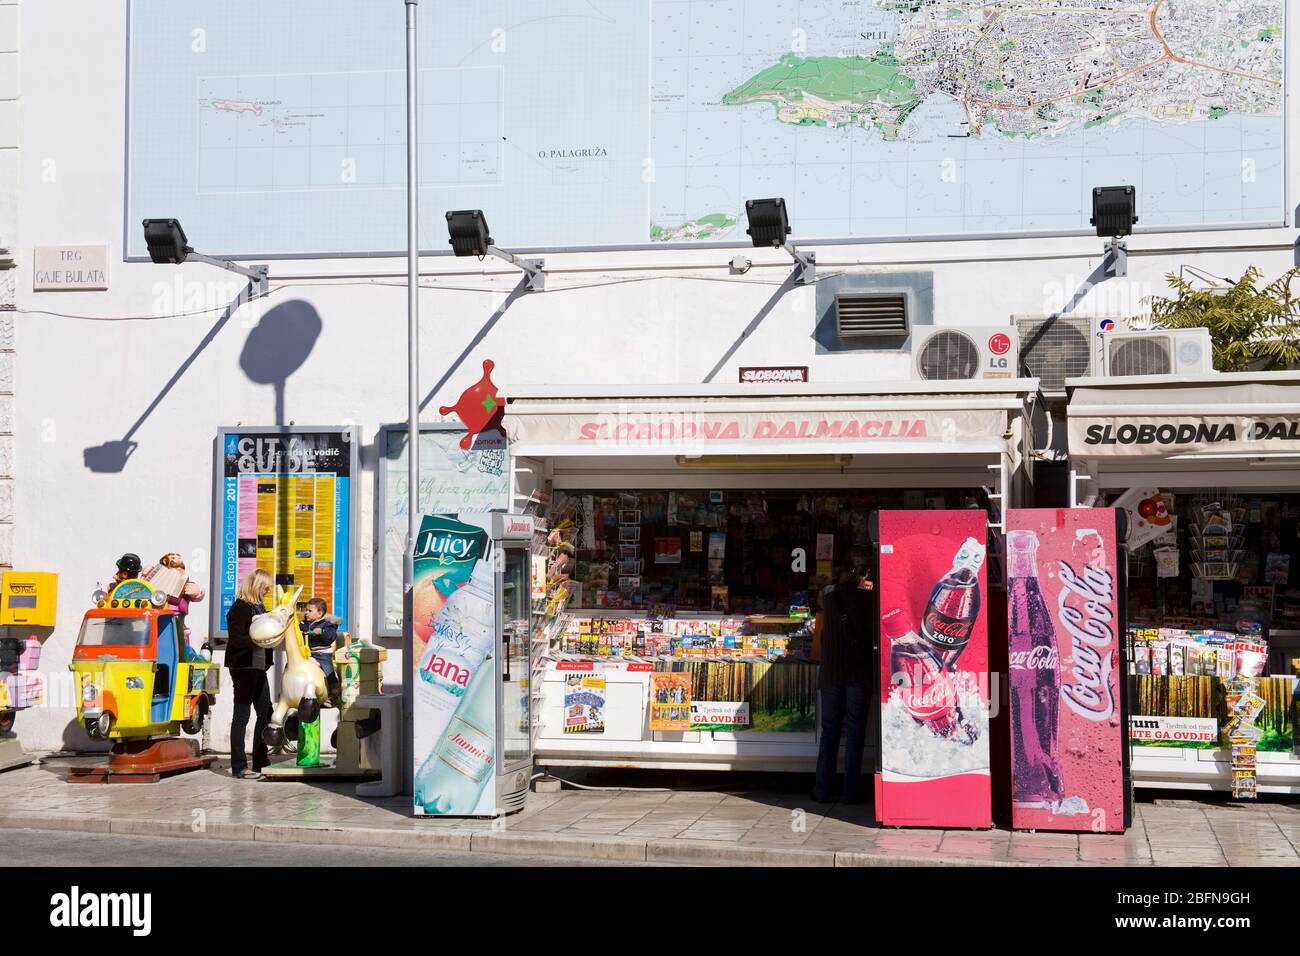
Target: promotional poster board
<point>455,673</point>
<point>285,503</point>
<point>1200,712</point>
<point>584,703</point>
<point>933,758</point>
<point>1200,733</point>
<point>670,700</point>
<point>719,715</point>
<point>1065,628</point>
<point>452,481</point>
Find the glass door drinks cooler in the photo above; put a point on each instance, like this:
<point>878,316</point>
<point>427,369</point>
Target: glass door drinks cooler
<point>472,647</point>
<point>932,755</point>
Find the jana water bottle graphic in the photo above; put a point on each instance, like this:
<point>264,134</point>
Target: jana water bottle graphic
<point>462,634</point>
<point>954,605</point>
<point>926,688</point>
<point>1035,678</point>
<point>459,650</point>
<point>452,779</point>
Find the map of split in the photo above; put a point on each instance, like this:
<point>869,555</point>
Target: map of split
<point>280,128</point>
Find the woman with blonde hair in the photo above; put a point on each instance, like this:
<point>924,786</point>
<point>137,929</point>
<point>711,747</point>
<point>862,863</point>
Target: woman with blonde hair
<point>248,664</point>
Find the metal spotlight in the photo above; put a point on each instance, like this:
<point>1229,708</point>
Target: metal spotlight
<point>768,222</point>
<point>469,233</point>
<point>166,241</point>
<point>769,225</point>
<point>1114,212</point>
<point>168,246</point>
<point>469,236</point>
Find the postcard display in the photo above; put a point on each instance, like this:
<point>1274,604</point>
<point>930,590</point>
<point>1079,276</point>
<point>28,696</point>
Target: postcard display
<point>932,763</point>
<point>693,671</point>
<point>719,675</point>
<point>1213,638</point>
<point>1065,628</point>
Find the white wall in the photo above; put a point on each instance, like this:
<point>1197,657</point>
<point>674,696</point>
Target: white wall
<point>10,98</point>
<point>626,317</point>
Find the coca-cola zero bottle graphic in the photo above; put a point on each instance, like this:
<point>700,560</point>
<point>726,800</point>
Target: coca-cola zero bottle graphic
<point>1035,678</point>
<point>954,605</point>
<point>926,688</point>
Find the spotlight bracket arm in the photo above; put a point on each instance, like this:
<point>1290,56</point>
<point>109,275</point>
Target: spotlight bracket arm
<point>532,268</point>
<point>257,274</point>
<point>805,270</point>
<point>1115,258</point>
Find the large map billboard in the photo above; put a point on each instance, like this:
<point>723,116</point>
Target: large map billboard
<point>280,128</point>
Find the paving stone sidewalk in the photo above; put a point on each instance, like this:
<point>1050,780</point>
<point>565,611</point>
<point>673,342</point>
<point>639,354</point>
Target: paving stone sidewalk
<point>736,827</point>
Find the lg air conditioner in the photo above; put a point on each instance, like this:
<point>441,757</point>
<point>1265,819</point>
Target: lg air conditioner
<point>956,353</point>
<point>1159,352</point>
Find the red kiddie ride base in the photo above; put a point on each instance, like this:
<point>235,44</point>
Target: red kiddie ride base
<point>143,761</point>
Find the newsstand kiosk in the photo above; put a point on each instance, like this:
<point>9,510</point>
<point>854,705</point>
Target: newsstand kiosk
<point>1207,469</point>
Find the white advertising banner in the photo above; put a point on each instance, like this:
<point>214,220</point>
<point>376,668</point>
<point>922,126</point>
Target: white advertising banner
<point>1228,417</point>
<point>719,715</point>
<point>703,431</point>
<point>1159,436</point>
<point>1173,731</point>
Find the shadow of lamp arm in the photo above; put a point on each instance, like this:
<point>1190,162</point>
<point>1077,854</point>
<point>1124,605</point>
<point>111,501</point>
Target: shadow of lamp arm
<point>168,245</point>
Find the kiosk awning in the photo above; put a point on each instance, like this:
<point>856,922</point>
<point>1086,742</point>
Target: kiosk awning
<point>1168,417</point>
<point>691,421</point>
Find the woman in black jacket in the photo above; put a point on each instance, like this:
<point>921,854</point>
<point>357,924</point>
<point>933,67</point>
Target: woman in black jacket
<point>248,664</point>
<point>844,681</point>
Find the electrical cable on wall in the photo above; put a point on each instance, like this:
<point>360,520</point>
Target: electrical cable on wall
<point>432,285</point>
<point>230,306</point>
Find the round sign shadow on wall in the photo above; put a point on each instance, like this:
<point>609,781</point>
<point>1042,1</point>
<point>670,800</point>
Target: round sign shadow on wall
<point>279,345</point>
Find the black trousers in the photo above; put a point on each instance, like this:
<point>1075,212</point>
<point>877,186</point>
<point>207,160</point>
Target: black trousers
<point>252,692</point>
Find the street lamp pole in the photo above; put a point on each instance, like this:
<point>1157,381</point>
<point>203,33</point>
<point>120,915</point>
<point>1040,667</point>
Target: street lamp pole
<point>412,389</point>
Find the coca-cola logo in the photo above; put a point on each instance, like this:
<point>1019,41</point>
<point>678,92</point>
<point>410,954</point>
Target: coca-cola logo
<point>930,702</point>
<point>946,631</point>
<point>1089,694</point>
<point>1041,658</point>
<point>925,694</point>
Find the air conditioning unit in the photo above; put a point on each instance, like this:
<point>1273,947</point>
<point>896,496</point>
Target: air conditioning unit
<point>1160,352</point>
<point>954,352</point>
<point>1056,347</point>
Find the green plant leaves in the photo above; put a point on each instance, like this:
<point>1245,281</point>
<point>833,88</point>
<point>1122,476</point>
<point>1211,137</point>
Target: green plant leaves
<point>1251,328</point>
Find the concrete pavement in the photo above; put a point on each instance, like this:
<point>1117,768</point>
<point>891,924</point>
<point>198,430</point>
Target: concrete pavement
<point>110,850</point>
<point>752,826</point>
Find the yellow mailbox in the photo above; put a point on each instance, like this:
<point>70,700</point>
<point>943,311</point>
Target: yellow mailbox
<point>28,598</point>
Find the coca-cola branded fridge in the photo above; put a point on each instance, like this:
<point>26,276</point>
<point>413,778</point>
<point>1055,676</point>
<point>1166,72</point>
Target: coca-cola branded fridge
<point>932,755</point>
<point>473,661</point>
<point>1065,627</point>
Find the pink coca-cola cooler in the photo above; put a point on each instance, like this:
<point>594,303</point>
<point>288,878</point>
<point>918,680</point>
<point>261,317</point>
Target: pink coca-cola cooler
<point>1066,679</point>
<point>932,749</point>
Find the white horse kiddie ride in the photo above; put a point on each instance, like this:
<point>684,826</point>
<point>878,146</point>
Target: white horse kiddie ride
<point>302,676</point>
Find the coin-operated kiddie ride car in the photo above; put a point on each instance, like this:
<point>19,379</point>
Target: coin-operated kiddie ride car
<point>139,684</point>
